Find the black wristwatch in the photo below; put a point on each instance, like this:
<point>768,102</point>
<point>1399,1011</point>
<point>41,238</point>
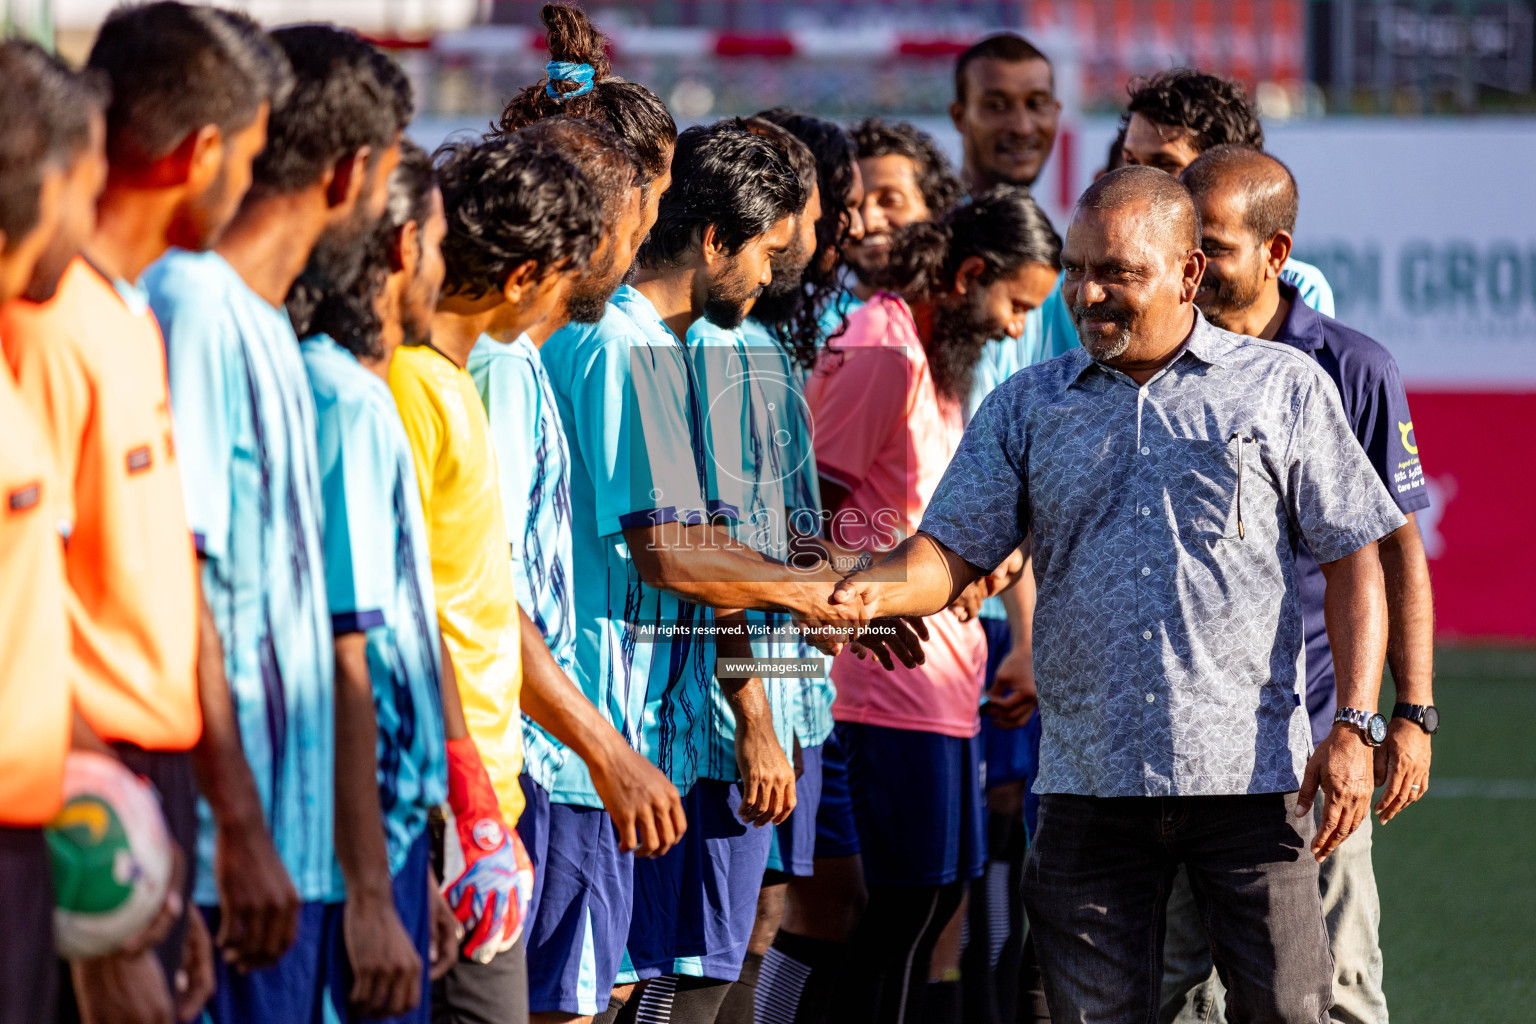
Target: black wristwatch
<point>1422,715</point>
<point>1372,726</point>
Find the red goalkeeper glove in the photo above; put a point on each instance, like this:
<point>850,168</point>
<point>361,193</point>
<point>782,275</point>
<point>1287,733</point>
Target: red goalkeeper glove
<point>492,875</point>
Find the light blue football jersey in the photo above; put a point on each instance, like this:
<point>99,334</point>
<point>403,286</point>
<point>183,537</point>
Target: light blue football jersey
<point>633,418</point>
<point>378,579</point>
<point>1309,281</point>
<point>536,498</point>
<point>246,439</point>
<point>747,469</point>
<point>783,384</point>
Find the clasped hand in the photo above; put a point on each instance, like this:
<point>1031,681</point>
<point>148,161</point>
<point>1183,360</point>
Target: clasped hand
<point>849,614</point>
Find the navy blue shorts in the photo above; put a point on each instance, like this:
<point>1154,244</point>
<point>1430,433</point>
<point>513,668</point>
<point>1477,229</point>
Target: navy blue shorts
<point>733,862</point>
<point>1004,752</point>
<point>583,893</point>
<point>836,833</point>
<point>694,908</point>
<point>793,849</point>
<point>917,804</point>
<point>668,911</point>
<point>412,903</point>
<point>290,990</point>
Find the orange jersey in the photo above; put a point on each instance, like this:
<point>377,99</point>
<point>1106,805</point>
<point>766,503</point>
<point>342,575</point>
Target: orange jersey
<point>34,652</point>
<point>91,363</point>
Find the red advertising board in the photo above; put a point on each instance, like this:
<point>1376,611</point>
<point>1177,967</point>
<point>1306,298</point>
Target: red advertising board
<point>1475,447</point>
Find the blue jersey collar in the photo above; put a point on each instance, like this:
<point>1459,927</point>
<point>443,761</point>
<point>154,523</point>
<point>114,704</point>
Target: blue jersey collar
<point>1303,326</point>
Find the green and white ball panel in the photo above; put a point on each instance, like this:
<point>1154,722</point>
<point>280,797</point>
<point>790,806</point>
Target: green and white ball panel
<point>111,857</point>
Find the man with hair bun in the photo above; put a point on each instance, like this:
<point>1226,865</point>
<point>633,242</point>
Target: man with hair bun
<point>1247,202</point>
<point>647,518</point>
<point>579,911</point>
<point>1219,454</point>
<point>580,82</point>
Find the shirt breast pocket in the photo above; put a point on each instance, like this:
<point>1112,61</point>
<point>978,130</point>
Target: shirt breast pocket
<point>1206,487</point>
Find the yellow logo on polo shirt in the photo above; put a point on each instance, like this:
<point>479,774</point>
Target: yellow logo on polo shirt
<point>1404,429</point>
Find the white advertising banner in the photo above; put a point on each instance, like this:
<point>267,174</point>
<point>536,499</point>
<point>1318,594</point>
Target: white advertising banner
<point>1426,229</point>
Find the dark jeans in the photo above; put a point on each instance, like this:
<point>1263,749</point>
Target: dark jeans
<point>1096,887</point>
<point>29,975</point>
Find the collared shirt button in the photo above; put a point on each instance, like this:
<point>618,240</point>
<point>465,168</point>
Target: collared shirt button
<point>1145,510</point>
<point>1145,571</point>
<point>1151,698</point>
<point>1146,634</point>
<point>1146,451</point>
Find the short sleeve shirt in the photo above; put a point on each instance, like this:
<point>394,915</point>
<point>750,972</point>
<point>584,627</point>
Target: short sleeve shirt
<point>1166,518</point>
<point>92,363</point>
<point>34,673</point>
<point>456,474</point>
<point>1310,284</point>
<point>245,435</point>
<point>784,384</point>
<point>882,431</point>
<point>1376,406</point>
<point>379,582</point>
<point>748,472</point>
<point>1048,332</point>
<point>535,475</point>
<point>634,422</point>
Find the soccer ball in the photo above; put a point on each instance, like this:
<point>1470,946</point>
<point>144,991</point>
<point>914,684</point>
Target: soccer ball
<point>111,857</point>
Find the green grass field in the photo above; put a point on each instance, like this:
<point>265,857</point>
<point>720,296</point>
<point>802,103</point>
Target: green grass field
<point>1457,871</point>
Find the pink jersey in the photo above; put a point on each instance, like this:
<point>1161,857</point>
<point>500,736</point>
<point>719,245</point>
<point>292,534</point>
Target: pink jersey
<point>881,430</point>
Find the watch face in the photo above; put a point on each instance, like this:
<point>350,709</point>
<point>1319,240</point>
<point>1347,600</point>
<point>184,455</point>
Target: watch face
<point>1431,720</point>
<point>1376,726</point>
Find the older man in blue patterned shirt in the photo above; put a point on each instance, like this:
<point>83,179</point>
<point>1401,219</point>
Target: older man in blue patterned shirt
<point>1166,473</point>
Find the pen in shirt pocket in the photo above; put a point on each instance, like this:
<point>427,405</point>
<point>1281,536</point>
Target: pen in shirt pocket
<point>1240,460</point>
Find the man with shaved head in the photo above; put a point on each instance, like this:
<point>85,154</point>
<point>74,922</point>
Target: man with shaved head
<point>1166,473</point>
<point>1247,203</point>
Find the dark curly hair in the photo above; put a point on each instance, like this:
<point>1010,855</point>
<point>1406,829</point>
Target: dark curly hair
<point>350,314</point>
<point>935,177</point>
<point>609,164</point>
<point>723,175</point>
<point>345,95</point>
<point>635,113</point>
<point>1004,226</point>
<point>508,201</point>
<point>1215,111</point>
<point>795,319</point>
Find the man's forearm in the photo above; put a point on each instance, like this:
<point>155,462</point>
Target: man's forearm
<point>747,698</point>
<point>1355,611</point>
<point>360,846</point>
<point>705,565</point>
<point>454,726</point>
<point>223,775</point>
<point>551,699</point>
<point>1410,614</point>
<point>919,577</point>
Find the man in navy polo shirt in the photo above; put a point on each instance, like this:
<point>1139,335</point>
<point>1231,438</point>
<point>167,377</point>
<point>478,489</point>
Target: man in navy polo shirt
<point>1247,202</point>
